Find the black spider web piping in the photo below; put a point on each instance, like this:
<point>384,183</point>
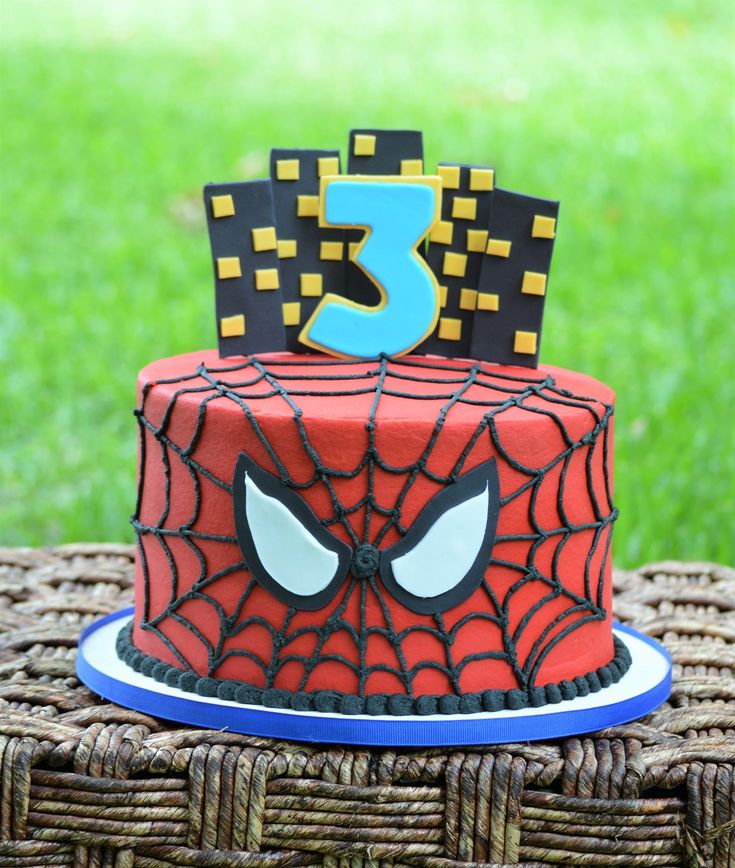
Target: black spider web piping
<point>455,385</point>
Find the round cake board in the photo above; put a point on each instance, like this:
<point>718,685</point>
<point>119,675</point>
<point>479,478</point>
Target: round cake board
<point>642,689</point>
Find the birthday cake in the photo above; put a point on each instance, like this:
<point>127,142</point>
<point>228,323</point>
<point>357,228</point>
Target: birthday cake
<point>372,499</point>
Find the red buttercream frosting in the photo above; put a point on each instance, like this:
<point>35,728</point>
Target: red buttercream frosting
<point>555,523</point>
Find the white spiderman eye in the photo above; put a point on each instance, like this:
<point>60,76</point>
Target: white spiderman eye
<point>289,553</point>
<point>443,557</point>
<point>286,547</point>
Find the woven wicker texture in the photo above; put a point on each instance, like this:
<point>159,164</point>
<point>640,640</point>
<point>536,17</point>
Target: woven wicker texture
<point>84,782</point>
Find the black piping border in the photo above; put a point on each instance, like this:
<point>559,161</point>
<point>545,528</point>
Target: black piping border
<point>334,701</point>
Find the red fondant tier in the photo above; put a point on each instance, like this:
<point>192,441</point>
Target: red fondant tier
<point>543,612</point>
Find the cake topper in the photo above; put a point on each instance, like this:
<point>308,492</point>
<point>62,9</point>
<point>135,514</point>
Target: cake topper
<point>456,252</point>
<point>311,256</point>
<point>315,260</point>
<point>378,152</point>
<point>396,213</point>
<point>246,270</point>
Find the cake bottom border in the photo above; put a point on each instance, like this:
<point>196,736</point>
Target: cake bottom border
<point>376,704</point>
<point>642,689</point>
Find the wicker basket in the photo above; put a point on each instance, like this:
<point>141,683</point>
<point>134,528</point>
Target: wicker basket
<point>84,782</point>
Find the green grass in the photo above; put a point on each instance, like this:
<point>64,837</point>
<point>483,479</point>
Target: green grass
<point>114,115</point>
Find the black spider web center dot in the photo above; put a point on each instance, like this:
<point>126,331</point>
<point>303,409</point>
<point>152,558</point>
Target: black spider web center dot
<point>365,561</point>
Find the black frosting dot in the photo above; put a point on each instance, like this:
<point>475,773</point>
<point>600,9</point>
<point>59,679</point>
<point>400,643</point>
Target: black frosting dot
<point>159,671</point>
<point>207,687</point>
<point>146,667</point>
<point>537,696</point>
<point>248,695</point>
<point>375,703</point>
<point>226,690</point>
<point>426,705</point>
<point>568,690</point>
<point>172,677</point>
<point>470,703</point>
<point>365,562</point>
<point>274,698</point>
<point>582,685</point>
<point>515,699</point>
<point>449,704</point>
<point>187,681</point>
<point>327,700</point>
<point>605,676</point>
<point>349,704</point>
<point>553,693</point>
<point>301,701</point>
<point>399,705</point>
<point>493,700</point>
<point>623,653</point>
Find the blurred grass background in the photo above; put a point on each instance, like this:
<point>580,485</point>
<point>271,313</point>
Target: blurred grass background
<point>115,113</point>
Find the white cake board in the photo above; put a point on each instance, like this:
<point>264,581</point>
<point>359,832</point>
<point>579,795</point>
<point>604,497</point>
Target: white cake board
<point>642,689</point>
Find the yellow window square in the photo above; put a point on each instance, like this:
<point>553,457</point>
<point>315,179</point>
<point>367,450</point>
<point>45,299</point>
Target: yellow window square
<point>525,342</point>
<point>228,267</point>
<point>468,299</point>
<point>482,180</point>
<point>455,264</point>
<point>464,208</point>
<point>543,227</point>
<point>286,248</point>
<point>412,167</point>
<point>331,250</point>
<point>533,283</point>
<point>488,301</point>
<point>352,248</point>
<point>222,206</point>
<point>476,240</point>
<point>310,285</point>
<point>232,326</point>
<point>327,166</point>
<point>266,278</point>
<point>264,239</point>
<point>292,313</point>
<point>449,176</point>
<point>307,206</point>
<point>450,329</point>
<point>442,296</point>
<point>287,170</point>
<point>442,233</point>
<point>496,247</point>
<point>364,145</point>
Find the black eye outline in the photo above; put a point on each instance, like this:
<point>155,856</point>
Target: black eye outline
<point>273,487</point>
<point>471,484</point>
<point>465,487</point>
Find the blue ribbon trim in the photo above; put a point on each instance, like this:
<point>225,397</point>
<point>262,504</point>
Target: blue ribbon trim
<point>401,732</point>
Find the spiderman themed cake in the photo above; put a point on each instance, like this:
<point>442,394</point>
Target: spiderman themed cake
<point>372,502</point>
